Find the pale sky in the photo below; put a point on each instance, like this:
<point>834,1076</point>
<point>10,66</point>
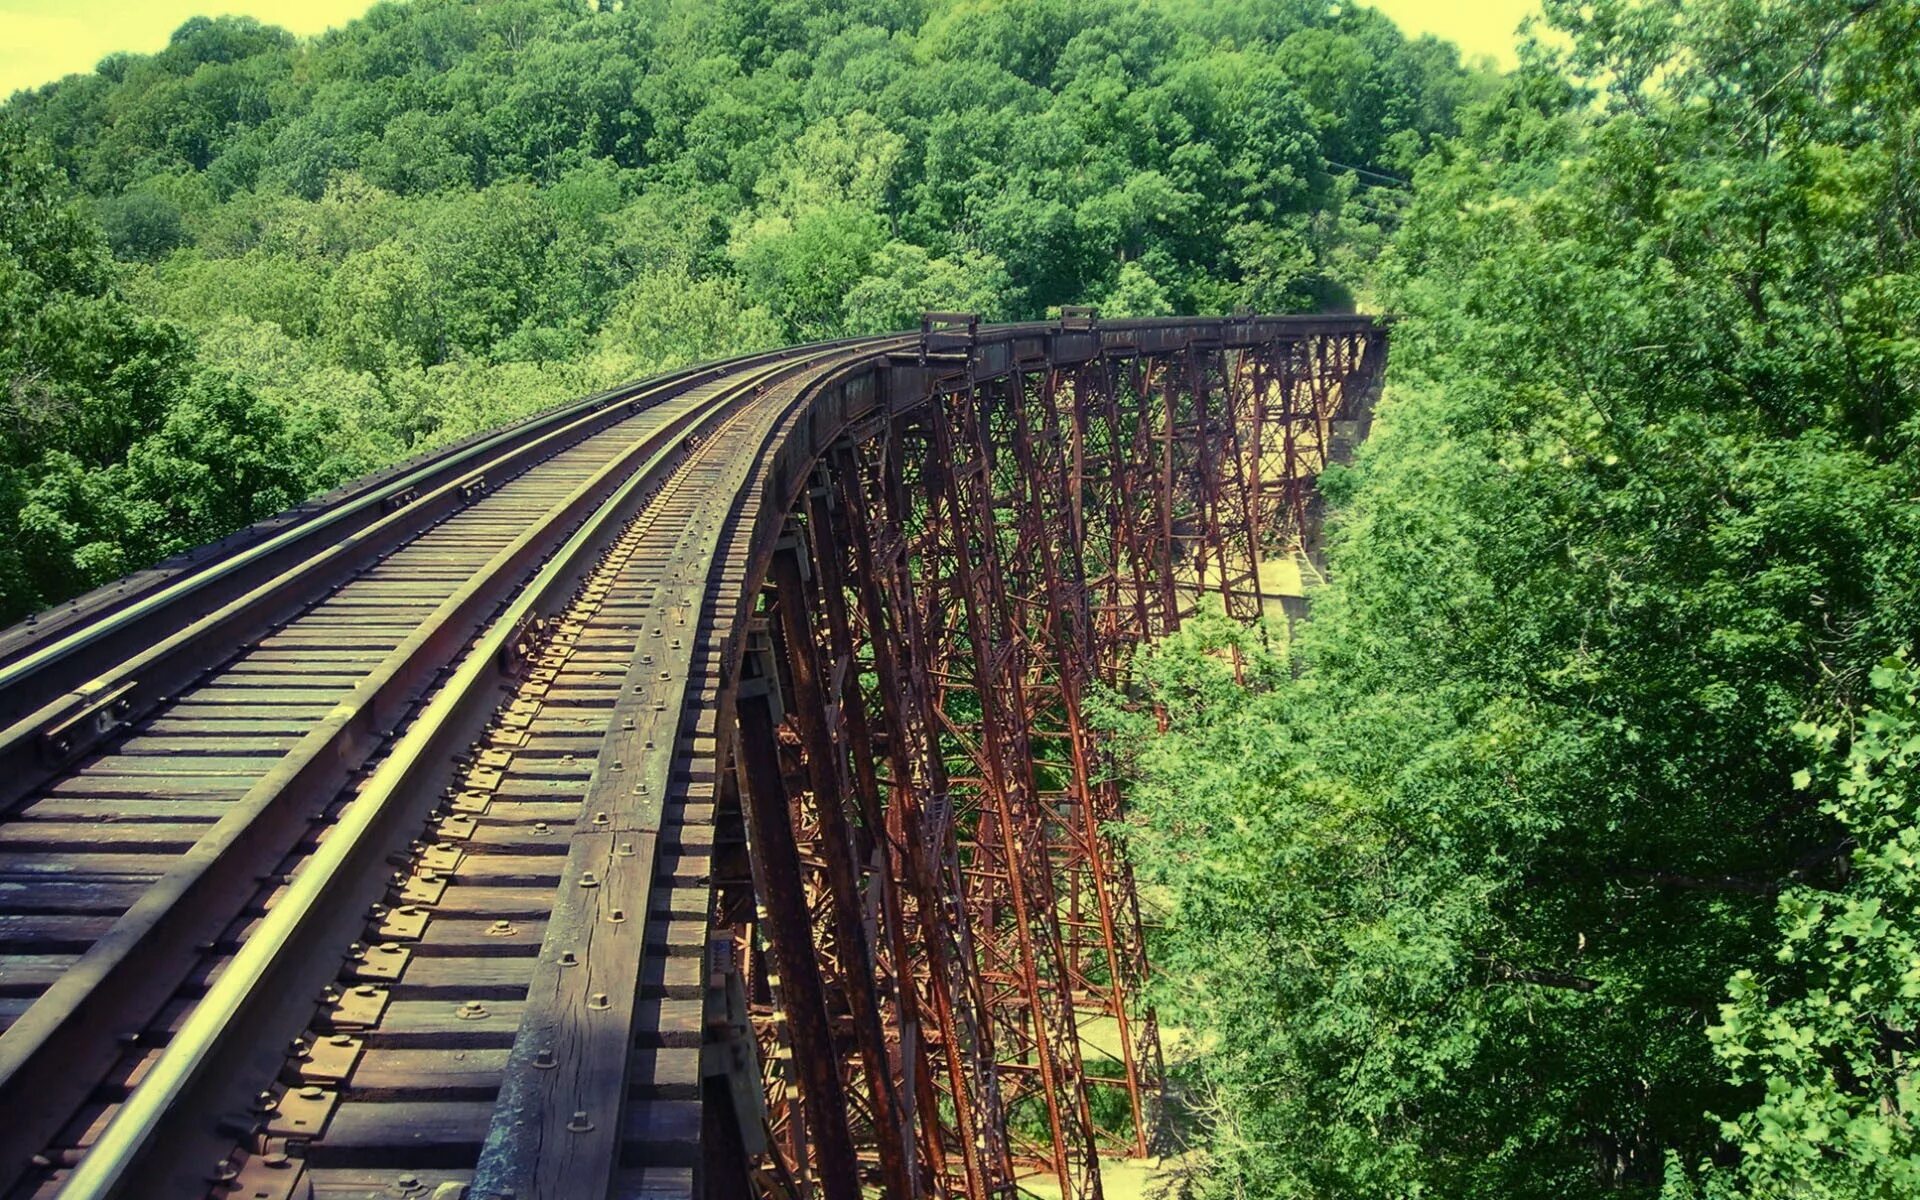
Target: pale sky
<point>1476,26</point>
<point>41,40</point>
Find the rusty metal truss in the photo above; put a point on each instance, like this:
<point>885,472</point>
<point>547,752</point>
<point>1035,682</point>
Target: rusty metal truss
<point>943,955</point>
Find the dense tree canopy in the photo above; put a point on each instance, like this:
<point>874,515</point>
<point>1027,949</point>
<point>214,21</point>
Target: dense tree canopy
<point>119,447</point>
<point>1566,850</point>
<point>1457,893</point>
<point>448,211</point>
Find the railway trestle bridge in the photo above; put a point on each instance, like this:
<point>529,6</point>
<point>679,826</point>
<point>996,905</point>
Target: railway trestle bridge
<point>689,791</point>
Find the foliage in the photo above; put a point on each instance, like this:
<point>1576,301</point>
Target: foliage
<point>1827,1027</point>
<point>95,398</point>
<point>445,201</point>
<point>667,318</point>
<point>142,224</point>
<point>1455,908</point>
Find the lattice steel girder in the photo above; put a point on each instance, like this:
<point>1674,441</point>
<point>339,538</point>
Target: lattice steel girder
<point>969,546</point>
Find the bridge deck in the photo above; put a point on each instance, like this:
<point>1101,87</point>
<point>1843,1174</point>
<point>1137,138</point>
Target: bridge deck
<point>438,790</point>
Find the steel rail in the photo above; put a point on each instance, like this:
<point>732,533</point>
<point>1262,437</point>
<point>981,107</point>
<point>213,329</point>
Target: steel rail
<point>353,851</point>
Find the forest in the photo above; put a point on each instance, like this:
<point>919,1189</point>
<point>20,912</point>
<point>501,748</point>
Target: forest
<point>1567,849</point>
<point>247,268</point>
<point>1570,848</point>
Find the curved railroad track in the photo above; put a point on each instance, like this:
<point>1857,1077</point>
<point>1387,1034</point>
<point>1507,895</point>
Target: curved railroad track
<point>142,860</point>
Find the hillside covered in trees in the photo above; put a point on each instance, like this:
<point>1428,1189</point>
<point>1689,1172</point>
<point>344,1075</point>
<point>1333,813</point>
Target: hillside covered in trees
<point>249,267</point>
<point>1572,848</point>
<point>1568,849</point>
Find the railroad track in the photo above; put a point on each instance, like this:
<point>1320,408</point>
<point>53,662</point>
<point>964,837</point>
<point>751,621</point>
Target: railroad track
<point>252,812</point>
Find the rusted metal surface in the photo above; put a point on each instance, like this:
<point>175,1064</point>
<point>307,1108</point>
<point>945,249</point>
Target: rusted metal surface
<point>760,849</point>
<point>956,550</point>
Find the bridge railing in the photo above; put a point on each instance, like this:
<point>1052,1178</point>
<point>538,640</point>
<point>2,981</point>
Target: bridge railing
<point>948,333</point>
<point>1079,316</point>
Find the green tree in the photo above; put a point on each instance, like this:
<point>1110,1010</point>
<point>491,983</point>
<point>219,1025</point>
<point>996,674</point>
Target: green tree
<point>485,252</point>
<point>1136,294</point>
<point>383,311</point>
<point>142,225</point>
<point>1827,1027</point>
<point>665,319</point>
<point>119,448</point>
<point>903,282</point>
<point>805,265</point>
<point>199,291</point>
<point>85,372</point>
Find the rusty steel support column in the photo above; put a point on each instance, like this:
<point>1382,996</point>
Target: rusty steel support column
<point>766,805</point>
<point>1052,465</point>
<point>1014,864</point>
<point>937,972</point>
<point>835,849</point>
<point>1122,404</point>
<point>879,848</point>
